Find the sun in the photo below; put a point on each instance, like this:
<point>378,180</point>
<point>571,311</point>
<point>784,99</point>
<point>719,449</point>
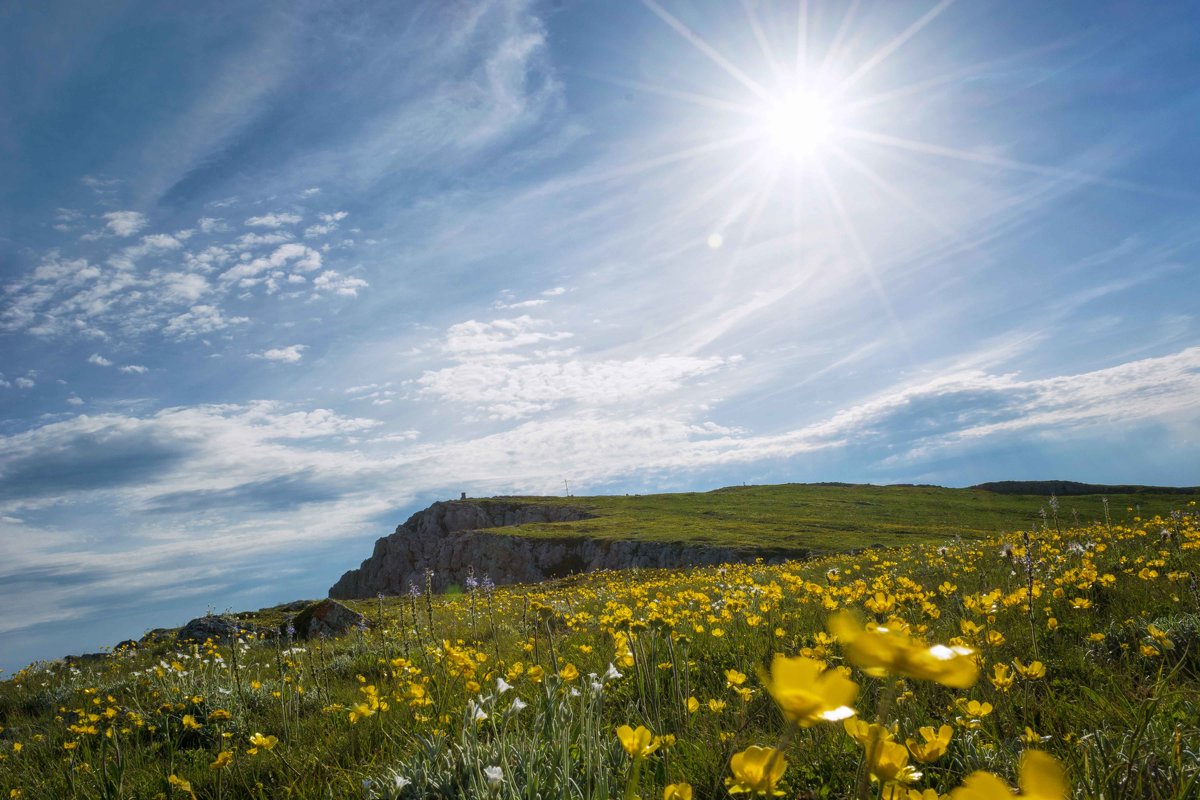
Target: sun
<point>797,123</point>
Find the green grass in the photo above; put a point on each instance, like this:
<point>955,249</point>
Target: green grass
<point>823,517</point>
<point>1115,621</point>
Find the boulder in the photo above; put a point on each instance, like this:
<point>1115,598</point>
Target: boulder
<point>328,618</point>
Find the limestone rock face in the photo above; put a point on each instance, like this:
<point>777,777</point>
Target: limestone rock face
<point>451,538</point>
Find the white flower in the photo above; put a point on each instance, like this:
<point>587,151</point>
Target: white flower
<point>518,704</point>
<point>400,781</point>
<point>502,686</point>
<point>477,712</point>
<point>494,775</point>
<point>612,673</point>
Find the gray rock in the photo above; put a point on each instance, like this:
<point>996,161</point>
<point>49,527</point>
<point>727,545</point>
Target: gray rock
<point>450,539</point>
<point>210,626</point>
<point>328,618</point>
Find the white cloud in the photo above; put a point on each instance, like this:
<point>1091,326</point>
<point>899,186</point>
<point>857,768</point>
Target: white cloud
<point>328,224</point>
<point>333,281</point>
<point>312,191</point>
<point>248,240</point>
<point>124,223</point>
<point>555,292</point>
<point>288,355</point>
<point>506,390</point>
<point>296,256</point>
<point>276,220</point>
<point>24,383</point>
<point>75,400</point>
<point>133,369</point>
<point>183,288</point>
<point>498,335</point>
<point>99,360</point>
<point>198,320</point>
<point>211,225</point>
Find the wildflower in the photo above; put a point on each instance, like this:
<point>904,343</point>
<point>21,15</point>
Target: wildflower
<point>180,784</point>
<point>734,678</point>
<point>190,724</point>
<point>223,759</point>
<point>1002,677</point>
<point>568,673</point>
<point>219,715</point>
<point>716,706</point>
<point>518,704</point>
<point>258,741</point>
<point>494,775</point>
<point>863,732</point>
<point>612,673</point>
<point>1041,778</point>
<point>888,762</point>
<point>678,791</point>
<point>933,743</point>
<point>881,650</point>
<point>502,685</point>
<point>756,770</point>
<point>640,743</point>
<point>808,693</point>
<point>1033,672</point>
<point>693,705</point>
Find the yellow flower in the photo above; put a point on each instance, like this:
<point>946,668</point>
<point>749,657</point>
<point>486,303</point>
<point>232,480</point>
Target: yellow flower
<point>888,762</point>
<point>678,791</point>
<point>223,759</point>
<point>260,741</point>
<point>692,705</point>
<point>1002,678</point>
<point>189,723</point>
<point>180,784</point>
<point>568,673</point>
<point>880,651</point>
<point>1042,778</point>
<point>638,743</point>
<point>716,706</point>
<point>933,743</point>
<point>219,715</point>
<point>734,678</point>
<point>1033,672</point>
<point>808,693</point>
<point>863,732</point>
<point>756,770</point>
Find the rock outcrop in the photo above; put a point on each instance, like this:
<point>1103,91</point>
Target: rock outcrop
<point>328,618</point>
<point>452,538</point>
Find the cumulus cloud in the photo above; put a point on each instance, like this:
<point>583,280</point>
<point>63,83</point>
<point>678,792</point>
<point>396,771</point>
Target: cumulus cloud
<point>328,224</point>
<point>297,257</point>
<point>124,223</point>
<point>498,335</point>
<point>198,320</point>
<point>333,281</point>
<point>277,220</point>
<point>24,383</point>
<point>288,355</point>
<point>133,369</point>
<point>211,225</point>
<point>99,360</point>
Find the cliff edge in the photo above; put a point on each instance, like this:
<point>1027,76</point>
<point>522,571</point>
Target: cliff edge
<point>451,538</point>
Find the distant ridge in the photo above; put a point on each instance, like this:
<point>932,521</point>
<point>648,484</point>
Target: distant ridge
<point>1069,488</point>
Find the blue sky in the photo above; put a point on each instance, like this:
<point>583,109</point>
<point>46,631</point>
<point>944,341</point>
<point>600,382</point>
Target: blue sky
<point>274,275</point>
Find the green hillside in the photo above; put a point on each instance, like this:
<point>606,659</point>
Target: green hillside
<point>830,517</point>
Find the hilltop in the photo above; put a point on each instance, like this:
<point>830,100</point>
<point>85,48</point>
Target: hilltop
<point>531,539</point>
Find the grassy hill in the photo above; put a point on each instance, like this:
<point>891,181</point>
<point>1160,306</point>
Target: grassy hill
<point>1078,650</point>
<point>834,517</point>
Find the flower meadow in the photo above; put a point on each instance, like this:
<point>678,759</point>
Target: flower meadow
<point>1060,662</point>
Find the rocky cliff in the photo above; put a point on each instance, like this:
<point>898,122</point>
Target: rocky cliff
<point>451,538</point>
